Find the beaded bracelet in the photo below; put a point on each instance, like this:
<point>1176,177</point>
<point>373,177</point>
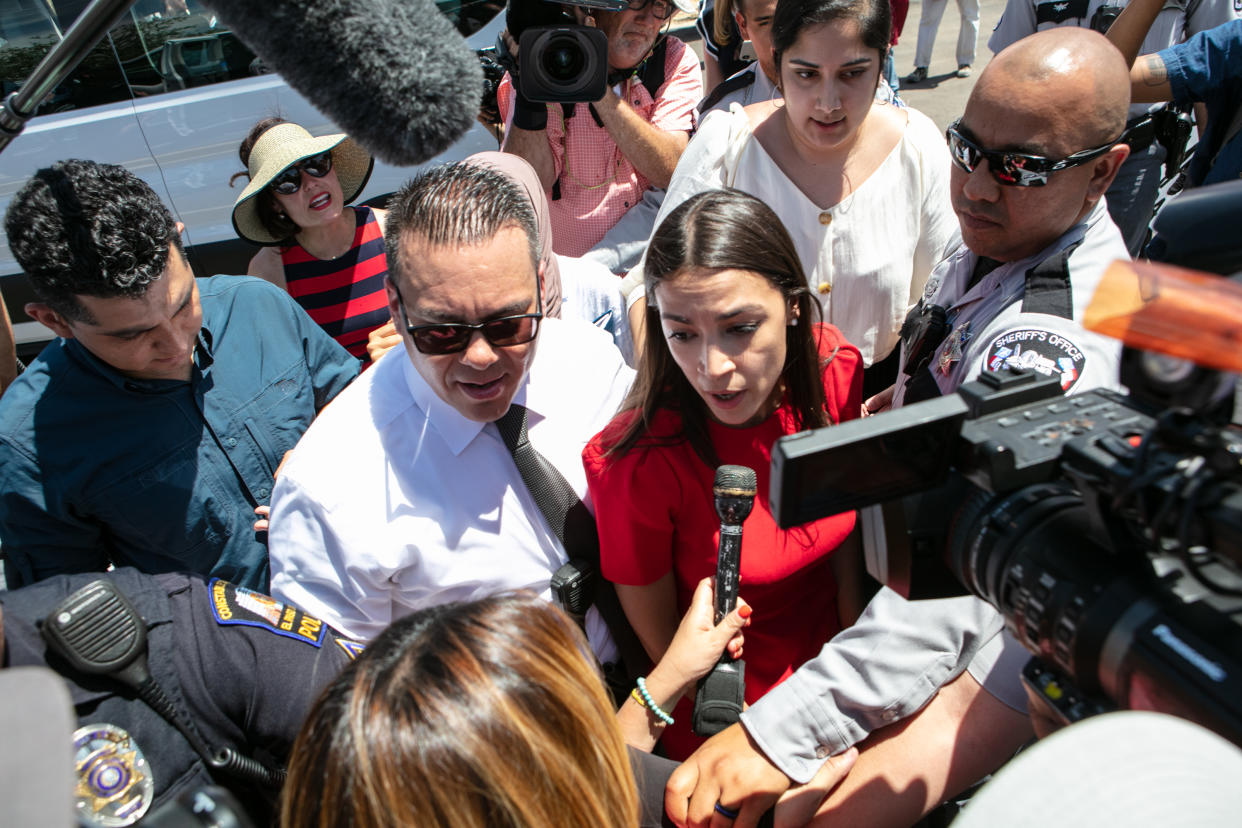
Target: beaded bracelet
<point>650,704</point>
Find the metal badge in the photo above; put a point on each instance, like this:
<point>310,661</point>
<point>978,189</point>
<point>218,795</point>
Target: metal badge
<point>115,787</point>
<point>953,351</point>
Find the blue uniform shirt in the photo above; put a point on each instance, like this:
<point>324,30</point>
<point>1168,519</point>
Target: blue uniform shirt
<point>1207,68</point>
<point>163,475</point>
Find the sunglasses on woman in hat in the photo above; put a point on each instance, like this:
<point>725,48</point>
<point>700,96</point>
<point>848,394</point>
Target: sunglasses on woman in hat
<point>329,256</point>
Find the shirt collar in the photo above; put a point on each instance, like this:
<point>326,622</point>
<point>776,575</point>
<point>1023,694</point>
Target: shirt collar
<point>202,358</point>
<point>458,431</point>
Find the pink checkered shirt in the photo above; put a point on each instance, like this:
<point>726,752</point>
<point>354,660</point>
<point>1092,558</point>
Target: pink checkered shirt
<point>598,184</point>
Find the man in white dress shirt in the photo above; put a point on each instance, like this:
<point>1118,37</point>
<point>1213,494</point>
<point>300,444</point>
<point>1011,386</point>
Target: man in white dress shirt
<point>403,494</point>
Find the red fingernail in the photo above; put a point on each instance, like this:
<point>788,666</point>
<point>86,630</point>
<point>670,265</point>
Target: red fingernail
<point>744,611</point>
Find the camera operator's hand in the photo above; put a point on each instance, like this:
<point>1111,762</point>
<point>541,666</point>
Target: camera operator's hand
<point>729,768</point>
<point>527,114</point>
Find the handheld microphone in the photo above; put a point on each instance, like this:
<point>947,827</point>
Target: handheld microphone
<point>393,74</point>
<point>720,696</point>
<point>734,493</point>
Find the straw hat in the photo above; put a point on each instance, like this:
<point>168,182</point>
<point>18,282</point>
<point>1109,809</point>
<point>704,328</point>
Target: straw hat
<point>287,144</point>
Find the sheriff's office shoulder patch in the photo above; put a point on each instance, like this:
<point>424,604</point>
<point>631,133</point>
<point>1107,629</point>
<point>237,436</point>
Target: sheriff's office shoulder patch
<point>237,605</point>
<point>1047,352</point>
<point>352,648</point>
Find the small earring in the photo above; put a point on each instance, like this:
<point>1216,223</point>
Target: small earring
<point>793,322</point>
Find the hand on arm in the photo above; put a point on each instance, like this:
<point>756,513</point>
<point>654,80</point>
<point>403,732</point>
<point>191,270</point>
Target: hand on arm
<point>906,769</point>
<point>263,513</point>
<point>381,340</point>
<point>694,650</point>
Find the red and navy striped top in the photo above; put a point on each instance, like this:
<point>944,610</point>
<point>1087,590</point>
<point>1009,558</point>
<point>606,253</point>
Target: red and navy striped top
<point>345,296</point>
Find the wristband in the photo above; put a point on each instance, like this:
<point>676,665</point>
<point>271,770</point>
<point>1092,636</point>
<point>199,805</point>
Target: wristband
<point>650,704</point>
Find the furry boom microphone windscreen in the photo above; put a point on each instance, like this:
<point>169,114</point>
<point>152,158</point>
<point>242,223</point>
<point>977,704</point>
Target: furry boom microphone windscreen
<point>393,74</point>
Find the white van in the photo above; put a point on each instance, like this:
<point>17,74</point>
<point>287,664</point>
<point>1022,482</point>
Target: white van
<point>169,94</point>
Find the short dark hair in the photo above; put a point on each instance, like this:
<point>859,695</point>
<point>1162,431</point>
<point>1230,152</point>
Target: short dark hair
<point>458,204</point>
<point>713,231</point>
<point>793,17</point>
<point>279,225</point>
<point>80,228</point>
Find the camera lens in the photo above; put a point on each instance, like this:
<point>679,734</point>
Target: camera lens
<point>563,59</point>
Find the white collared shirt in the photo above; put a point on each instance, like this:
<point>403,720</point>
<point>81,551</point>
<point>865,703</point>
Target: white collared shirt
<point>393,501</point>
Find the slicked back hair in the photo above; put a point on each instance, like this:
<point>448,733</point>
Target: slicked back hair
<point>80,228</point>
<point>458,205</point>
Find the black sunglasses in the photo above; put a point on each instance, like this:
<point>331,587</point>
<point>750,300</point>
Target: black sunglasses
<point>661,9</point>
<point>289,180</point>
<point>451,338</point>
<point>1014,169</point>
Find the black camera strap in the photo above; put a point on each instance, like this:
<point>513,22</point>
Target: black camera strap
<point>578,584</point>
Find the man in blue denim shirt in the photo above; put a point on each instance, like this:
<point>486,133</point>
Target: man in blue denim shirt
<point>148,433</point>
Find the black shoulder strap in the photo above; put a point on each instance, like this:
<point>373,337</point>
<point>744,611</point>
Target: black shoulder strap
<point>651,71</point>
<point>1048,287</point>
<point>727,87</point>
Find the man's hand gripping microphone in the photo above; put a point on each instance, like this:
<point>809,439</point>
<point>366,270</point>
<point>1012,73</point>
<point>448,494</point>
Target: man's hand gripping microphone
<point>720,696</point>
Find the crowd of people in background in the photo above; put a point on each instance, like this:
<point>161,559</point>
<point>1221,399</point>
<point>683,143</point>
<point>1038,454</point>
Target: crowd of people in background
<point>454,464</point>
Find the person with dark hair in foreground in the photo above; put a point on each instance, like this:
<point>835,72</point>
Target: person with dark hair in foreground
<point>148,433</point>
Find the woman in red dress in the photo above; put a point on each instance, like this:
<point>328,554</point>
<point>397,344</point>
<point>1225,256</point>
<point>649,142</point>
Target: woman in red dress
<point>734,358</point>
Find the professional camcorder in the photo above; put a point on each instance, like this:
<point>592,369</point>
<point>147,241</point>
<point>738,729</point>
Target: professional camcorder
<point>559,61</point>
<point>1106,528</point>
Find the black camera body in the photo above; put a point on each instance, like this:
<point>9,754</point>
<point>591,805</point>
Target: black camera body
<point>559,61</point>
<point>1108,535</point>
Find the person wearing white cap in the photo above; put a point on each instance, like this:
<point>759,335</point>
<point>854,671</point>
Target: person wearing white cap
<point>327,255</point>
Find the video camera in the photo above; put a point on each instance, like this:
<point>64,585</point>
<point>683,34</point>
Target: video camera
<point>1106,529</point>
<point>559,61</point>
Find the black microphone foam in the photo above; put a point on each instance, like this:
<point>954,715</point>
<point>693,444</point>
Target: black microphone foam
<point>734,490</point>
<point>393,74</point>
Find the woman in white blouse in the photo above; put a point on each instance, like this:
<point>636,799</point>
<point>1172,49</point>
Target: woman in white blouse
<point>861,185</point>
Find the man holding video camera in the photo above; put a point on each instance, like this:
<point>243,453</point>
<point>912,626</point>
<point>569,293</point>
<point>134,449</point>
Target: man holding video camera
<point>600,160</point>
<point>1033,154</point>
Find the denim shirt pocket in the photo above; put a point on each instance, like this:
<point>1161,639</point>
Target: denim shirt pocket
<point>173,513</point>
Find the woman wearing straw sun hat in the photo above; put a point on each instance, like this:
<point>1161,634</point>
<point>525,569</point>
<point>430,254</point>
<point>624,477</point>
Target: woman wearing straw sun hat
<point>328,255</point>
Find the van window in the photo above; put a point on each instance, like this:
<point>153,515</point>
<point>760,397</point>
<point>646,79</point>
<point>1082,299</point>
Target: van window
<point>28,30</point>
<point>162,46</point>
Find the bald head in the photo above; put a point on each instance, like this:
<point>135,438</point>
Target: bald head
<point>1056,94</point>
<point>1067,70</point>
